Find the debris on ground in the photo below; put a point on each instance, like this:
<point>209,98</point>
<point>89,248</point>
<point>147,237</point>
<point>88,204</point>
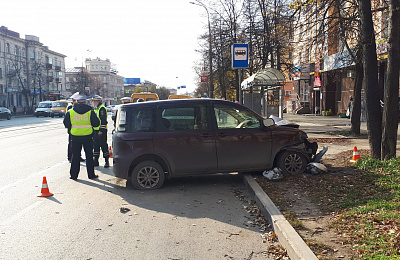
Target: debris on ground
<point>273,174</point>
<point>316,168</point>
<point>123,210</point>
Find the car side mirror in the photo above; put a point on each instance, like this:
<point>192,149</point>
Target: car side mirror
<point>268,122</point>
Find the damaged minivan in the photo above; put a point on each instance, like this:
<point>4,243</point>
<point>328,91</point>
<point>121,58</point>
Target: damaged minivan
<point>163,139</point>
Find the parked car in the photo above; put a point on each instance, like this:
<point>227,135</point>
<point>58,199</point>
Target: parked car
<point>163,139</point>
<point>43,109</point>
<point>59,108</point>
<point>5,113</point>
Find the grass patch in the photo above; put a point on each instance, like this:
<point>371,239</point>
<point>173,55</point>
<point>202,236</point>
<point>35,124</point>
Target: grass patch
<point>291,218</point>
<point>369,216</point>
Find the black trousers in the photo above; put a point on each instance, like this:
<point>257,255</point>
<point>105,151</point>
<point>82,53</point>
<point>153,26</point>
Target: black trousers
<point>70,148</point>
<point>100,141</point>
<point>77,143</point>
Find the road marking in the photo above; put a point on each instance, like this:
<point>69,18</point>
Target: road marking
<point>21,213</point>
<point>32,175</point>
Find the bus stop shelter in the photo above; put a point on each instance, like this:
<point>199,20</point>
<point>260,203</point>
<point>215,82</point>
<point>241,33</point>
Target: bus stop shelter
<point>263,92</point>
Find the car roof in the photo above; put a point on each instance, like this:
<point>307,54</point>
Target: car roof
<point>178,101</point>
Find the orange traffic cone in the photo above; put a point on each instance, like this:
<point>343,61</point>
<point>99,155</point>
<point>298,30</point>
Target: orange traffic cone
<point>356,155</point>
<point>110,152</point>
<point>45,189</point>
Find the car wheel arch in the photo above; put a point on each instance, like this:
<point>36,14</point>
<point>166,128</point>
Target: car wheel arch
<point>150,157</point>
<point>295,149</point>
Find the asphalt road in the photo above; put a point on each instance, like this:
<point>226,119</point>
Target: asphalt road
<point>190,218</point>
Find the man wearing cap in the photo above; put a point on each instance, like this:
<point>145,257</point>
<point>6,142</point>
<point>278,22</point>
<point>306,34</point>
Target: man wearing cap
<point>70,106</point>
<point>80,121</point>
<point>100,132</point>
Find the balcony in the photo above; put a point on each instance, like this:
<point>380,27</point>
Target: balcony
<point>57,68</point>
<point>49,66</point>
<point>58,80</point>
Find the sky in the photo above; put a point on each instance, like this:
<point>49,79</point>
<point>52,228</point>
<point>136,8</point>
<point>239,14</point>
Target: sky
<point>154,40</point>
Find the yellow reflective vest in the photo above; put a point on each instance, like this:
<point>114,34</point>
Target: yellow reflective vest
<point>97,110</point>
<point>80,123</point>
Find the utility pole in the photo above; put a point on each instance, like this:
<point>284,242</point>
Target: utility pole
<point>210,76</point>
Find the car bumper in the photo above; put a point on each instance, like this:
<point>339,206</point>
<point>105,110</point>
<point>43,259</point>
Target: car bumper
<point>41,113</point>
<point>57,113</point>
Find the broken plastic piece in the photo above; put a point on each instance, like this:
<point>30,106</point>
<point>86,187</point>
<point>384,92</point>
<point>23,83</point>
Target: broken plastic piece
<point>319,155</point>
<point>316,168</point>
<point>273,174</point>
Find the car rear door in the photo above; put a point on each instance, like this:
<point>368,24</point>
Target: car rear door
<point>243,143</point>
<point>185,138</point>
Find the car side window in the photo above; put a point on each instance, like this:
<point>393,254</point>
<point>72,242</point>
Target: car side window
<point>141,120</point>
<point>184,118</point>
<point>232,117</point>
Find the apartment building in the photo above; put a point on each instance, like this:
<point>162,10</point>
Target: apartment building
<point>323,74</point>
<point>29,71</point>
<point>105,78</point>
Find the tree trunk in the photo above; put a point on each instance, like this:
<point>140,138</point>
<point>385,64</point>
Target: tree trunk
<point>391,108</point>
<point>356,114</point>
<point>370,81</point>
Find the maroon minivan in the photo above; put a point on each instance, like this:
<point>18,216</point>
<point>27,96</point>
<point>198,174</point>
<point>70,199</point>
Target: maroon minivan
<point>167,138</point>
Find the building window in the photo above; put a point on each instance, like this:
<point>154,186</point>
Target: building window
<point>97,67</point>
<point>32,54</point>
<point>105,80</point>
<point>7,48</point>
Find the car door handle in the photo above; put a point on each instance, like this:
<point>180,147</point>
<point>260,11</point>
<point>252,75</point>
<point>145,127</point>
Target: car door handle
<point>222,135</point>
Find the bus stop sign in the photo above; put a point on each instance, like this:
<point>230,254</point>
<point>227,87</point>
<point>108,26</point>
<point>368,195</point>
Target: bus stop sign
<point>240,56</point>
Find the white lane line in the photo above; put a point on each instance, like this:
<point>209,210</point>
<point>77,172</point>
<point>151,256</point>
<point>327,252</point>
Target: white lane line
<point>21,213</point>
<point>32,175</point>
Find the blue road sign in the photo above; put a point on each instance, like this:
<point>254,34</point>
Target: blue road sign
<point>240,56</point>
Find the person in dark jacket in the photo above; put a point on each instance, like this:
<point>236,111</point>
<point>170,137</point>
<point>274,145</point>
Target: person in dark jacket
<point>69,152</point>
<point>100,133</point>
<point>80,121</point>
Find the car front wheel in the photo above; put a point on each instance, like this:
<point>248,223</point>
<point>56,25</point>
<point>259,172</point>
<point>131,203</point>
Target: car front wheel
<point>147,175</point>
<point>292,162</point>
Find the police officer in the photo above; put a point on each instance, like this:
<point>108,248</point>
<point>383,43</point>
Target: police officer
<point>80,121</point>
<point>100,132</point>
<point>69,107</point>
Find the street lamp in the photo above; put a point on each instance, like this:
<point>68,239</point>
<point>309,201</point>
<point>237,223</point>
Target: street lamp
<point>210,77</point>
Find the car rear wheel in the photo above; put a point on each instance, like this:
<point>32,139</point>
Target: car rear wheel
<point>292,162</point>
<point>147,175</point>
<point>8,117</point>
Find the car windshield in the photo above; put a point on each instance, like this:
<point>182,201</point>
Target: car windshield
<point>60,104</point>
<point>44,105</point>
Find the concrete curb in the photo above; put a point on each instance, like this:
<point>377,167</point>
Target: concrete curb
<point>296,247</point>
